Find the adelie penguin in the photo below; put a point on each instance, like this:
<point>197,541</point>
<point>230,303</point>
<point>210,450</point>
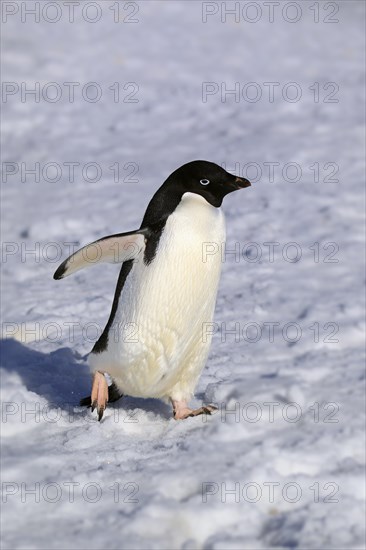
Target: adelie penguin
<point>166,291</point>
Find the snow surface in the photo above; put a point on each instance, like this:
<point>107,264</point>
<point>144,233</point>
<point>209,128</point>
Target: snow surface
<point>141,479</point>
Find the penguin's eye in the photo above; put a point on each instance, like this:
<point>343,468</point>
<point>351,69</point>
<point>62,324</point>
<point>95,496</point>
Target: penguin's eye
<point>204,182</point>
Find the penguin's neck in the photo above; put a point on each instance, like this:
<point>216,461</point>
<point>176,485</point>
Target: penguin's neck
<point>166,200</point>
<point>163,203</point>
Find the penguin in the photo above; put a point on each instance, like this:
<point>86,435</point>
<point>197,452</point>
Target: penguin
<point>154,345</point>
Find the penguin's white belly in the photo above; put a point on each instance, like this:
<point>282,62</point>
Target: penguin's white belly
<point>157,344</point>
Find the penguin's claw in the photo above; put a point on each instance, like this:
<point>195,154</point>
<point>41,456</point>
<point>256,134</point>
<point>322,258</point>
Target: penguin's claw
<point>114,394</point>
<point>206,409</point>
<point>99,394</point>
<point>100,413</point>
<point>182,411</point>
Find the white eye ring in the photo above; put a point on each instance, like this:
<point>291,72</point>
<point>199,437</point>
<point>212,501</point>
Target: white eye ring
<point>204,182</point>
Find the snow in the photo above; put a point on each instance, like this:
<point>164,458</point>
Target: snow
<point>288,437</point>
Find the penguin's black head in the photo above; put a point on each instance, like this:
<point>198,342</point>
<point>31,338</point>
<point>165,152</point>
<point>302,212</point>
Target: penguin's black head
<point>203,178</point>
<point>207,179</point>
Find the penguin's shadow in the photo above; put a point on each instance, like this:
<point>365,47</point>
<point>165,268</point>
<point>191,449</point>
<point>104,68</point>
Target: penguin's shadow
<point>62,377</point>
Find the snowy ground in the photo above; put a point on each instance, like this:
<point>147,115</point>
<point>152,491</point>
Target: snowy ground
<point>292,447</point>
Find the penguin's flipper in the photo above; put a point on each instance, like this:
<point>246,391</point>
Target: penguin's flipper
<point>113,249</point>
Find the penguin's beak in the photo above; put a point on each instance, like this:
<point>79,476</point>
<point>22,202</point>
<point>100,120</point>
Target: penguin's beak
<point>241,183</point>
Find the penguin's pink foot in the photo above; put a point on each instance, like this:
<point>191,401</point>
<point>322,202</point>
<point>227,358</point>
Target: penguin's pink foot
<point>182,411</point>
<point>99,394</point>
